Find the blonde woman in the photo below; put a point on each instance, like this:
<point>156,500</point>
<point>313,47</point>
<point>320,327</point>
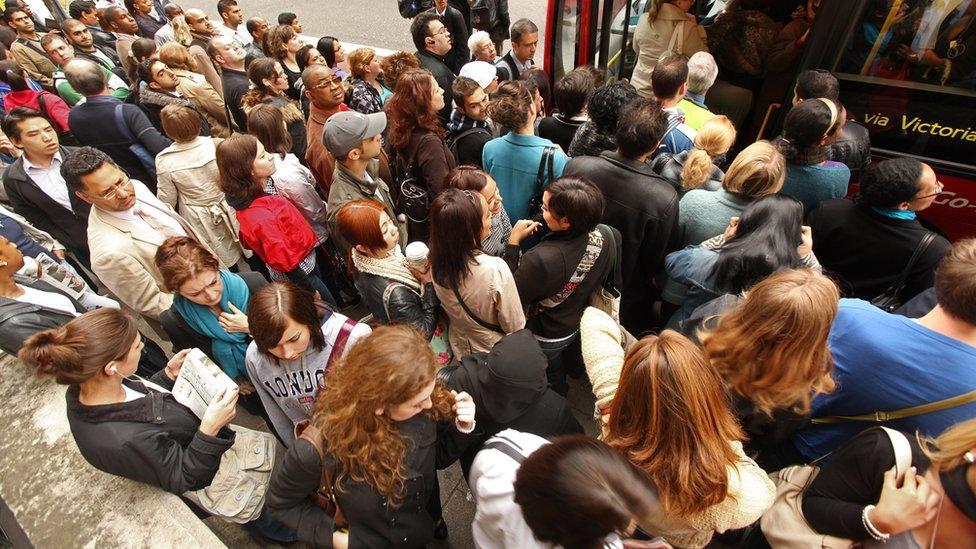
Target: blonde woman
<point>757,171</point>
<point>194,85</point>
<point>666,27</point>
<point>857,495</point>
<point>698,168</point>
<point>366,93</point>
<point>772,375</point>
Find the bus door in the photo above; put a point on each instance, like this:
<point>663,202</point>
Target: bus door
<point>907,71</point>
<point>591,32</point>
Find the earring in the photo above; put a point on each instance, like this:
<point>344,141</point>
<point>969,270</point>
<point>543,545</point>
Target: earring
<point>969,457</point>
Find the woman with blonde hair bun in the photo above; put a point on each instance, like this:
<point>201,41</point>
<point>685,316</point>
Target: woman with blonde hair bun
<point>698,168</point>
<point>383,435</point>
<point>771,350</point>
<point>757,171</point>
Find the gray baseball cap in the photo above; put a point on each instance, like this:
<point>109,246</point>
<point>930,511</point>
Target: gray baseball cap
<point>344,131</point>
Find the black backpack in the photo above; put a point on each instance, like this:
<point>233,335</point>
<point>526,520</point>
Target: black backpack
<point>453,139</point>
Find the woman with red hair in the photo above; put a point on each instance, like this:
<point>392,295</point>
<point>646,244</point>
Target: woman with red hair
<point>418,140</point>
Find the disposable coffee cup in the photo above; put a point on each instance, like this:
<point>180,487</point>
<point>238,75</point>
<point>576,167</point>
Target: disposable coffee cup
<point>416,255</point>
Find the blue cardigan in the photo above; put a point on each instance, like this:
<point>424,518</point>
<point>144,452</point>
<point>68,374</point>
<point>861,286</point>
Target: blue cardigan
<point>513,161</point>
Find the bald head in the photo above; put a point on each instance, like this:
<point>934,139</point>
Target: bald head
<point>199,23</point>
<point>85,77</point>
<point>172,10</point>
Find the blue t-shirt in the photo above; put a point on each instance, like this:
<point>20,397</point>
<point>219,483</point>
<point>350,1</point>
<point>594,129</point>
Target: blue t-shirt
<point>815,183</point>
<point>885,362</point>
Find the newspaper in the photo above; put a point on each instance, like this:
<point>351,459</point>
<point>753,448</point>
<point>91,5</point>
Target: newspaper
<point>199,380</point>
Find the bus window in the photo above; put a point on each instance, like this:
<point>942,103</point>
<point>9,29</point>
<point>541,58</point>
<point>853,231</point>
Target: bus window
<point>565,22</point>
<point>908,73</point>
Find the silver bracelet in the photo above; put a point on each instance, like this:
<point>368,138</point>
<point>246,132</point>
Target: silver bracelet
<point>871,529</point>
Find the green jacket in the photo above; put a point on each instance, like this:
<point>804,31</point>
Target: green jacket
<point>119,88</point>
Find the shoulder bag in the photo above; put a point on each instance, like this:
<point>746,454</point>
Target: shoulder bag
<point>413,198</point>
<point>891,299</point>
<point>324,496</point>
<point>594,247</point>
<point>881,417</point>
<point>474,317</point>
<point>439,341</point>
<point>783,523</point>
<point>607,297</point>
<point>542,180</point>
<point>147,160</point>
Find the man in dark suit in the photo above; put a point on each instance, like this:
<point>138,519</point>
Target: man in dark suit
<point>34,184</point>
<point>454,21</point>
<point>433,42</point>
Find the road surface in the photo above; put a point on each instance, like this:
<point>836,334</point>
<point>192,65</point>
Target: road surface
<point>374,23</point>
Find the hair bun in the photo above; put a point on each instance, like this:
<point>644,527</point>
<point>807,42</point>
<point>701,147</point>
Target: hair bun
<point>47,352</point>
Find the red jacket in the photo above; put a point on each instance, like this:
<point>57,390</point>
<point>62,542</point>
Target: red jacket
<point>57,109</point>
<point>276,231</point>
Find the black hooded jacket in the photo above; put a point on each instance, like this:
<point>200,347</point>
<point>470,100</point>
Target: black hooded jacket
<point>510,391</point>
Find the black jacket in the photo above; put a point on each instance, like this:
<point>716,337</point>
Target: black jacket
<point>547,267</point>
<point>510,391</point>
<point>402,306</point>
<point>507,67</point>
<point>468,145</point>
<point>559,130</point>
<point>853,148</point>
<point>93,123</point>
<point>456,25</point>
<point>68,227</point>
<point>669,166</point>
<point>372,521</point>
<point>154,439</point>
<point>644,208</point>
<point>235,84</point>
<point>444,76</point>
<point>20,320</point>
<point>866,252</point>
<point>590,141</point>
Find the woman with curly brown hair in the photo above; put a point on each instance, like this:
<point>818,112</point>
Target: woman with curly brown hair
<point>417,137</point>
<point>671,418</point>
<point>771,372</point>
<point>383,435</point>
<point>282,44</point>
<point>269,84</point>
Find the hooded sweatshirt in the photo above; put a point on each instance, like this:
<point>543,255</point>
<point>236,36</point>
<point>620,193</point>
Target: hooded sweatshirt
<point>288,387</point>
<point>510,391</point>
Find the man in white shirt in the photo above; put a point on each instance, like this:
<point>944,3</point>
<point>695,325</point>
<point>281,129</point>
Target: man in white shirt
<point>126,226</point>
<point>233,26</point>
<point>34,184</point>
<point>525,40</point>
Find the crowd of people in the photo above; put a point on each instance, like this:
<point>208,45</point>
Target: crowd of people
<point>777,357</point>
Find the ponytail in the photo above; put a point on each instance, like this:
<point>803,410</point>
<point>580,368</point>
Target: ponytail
<point>76,352</point>
<point>697,169</point>
<point>715,137</point>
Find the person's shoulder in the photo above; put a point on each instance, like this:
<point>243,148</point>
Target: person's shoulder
<point>696,197</point>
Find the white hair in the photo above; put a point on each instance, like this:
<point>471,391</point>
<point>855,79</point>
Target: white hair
<point>702,72</point>
<point>477,38</point>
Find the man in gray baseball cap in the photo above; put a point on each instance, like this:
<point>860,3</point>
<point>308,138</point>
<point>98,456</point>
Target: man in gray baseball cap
<point>355,140</point>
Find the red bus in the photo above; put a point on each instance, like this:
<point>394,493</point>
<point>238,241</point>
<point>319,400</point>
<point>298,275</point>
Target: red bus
<point>928,114</point>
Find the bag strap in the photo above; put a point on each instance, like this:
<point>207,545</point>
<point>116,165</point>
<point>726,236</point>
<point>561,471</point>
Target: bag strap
<point>903,451</point>
<point>545,169</point>
<point>612,274</point>
<point>121,125</point>
<point>309,432</point>
<point>881,417</point>
<point>677,35</point>
<point>920,248</point>
<point>340,342</point>
<point>506,447</point>
<point>474,317</point>
<point>594,246</point>
<point>43,105</point>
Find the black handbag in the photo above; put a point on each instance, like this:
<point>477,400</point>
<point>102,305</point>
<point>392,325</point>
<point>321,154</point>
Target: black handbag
<point>542,180</point>
<point>891,298</point>
<point>412,197</point>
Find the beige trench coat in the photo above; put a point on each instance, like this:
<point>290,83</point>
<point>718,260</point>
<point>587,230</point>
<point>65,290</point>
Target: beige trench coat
<point>187,180</point>
<point>651,41</point>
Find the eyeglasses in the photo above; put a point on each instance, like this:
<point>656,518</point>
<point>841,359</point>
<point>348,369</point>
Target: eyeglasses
<point>278,75</point>
<point>443,30</point>
<point>939,186</point>
<point>116,190</point>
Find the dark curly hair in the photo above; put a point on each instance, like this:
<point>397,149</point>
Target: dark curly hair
<point>890,182</point>
<point>605,104</point>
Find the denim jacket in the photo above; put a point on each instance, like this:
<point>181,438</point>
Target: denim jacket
<point>692,267</point>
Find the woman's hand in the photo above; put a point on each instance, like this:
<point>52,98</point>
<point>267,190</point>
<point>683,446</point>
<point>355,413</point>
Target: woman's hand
<point>521,230</point>
<point>340,540</point>
<point>234,321</point>
<point>175,364</point>
<point>464,410</point>
<point>245,387</point>
<point>904,508</point>
<point>733,227</point>
<point>220,412</point>
<point>424,276</point>
<point>806,242</point>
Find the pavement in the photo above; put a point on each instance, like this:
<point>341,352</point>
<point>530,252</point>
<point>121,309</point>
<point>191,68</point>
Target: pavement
<point>374,23</point>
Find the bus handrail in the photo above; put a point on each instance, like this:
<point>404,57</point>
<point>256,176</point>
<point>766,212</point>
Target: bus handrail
<point>769,114</point>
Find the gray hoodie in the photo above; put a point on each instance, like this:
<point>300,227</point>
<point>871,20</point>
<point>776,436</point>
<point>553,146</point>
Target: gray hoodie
<point>288,387</point>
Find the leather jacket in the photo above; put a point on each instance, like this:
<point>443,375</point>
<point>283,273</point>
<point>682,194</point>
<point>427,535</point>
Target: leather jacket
<point>403,305</point>
<point>853,148</point>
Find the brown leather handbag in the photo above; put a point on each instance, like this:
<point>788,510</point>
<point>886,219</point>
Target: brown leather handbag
<point>324,496</point>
